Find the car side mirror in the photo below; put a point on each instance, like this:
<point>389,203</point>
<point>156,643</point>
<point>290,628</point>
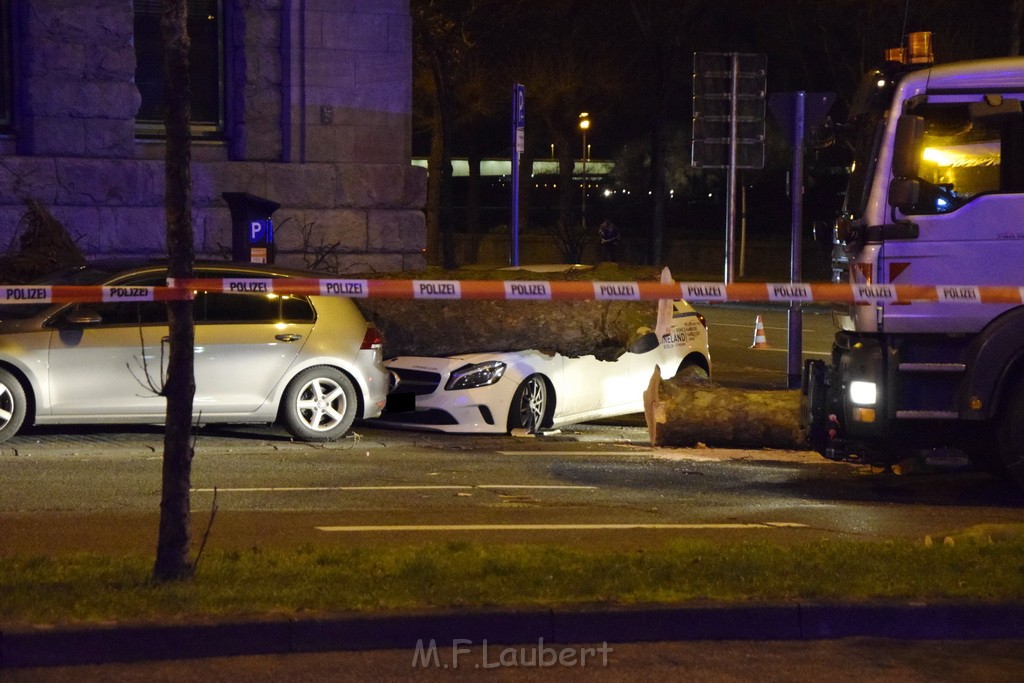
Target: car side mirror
<point>83,316</point>
<point>643,342</point>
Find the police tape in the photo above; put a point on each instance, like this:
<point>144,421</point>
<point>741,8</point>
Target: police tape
<point>528,290</point>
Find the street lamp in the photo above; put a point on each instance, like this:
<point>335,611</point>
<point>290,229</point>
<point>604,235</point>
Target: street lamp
<point>584,125</point>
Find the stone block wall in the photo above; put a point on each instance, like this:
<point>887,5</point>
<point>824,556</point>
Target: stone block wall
<point>319,97</point>
<point>75,94</point>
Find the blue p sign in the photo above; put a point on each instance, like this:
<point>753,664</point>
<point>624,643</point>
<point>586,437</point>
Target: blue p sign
<point>261,232</point>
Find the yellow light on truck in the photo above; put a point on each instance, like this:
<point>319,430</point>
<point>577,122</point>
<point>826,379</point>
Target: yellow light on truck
<point>939,157</point>
<point>863,414</point>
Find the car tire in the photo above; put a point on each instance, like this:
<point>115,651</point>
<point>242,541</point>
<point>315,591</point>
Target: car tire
<point>529,409</point>
<point>1010,435</point>
<point>691,372</point>
<point>13,403</point>
<point>320,404</point>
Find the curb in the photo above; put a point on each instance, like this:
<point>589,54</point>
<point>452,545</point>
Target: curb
<point>45,646</point>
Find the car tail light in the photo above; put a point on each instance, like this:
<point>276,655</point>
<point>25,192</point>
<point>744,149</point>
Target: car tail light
<point>373,339</point>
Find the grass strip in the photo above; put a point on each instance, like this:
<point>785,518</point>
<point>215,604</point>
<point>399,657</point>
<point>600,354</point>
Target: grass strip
<point>92,587</point>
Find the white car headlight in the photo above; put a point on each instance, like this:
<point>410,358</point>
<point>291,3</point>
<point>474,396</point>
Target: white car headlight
<point>476,375</point>
<point>863,393</point>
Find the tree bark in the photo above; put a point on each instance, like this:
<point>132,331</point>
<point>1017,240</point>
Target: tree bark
<point>687,412</point>
<point>433,208</point>
<point>659,154</point>
<point>172,553</point>
<point>473,188</point>
<point>446,115</point>
<point>1016,19</point>
<point>604,329</point>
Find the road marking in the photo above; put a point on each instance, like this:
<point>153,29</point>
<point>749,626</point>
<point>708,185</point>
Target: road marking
<point>292,489</point>
<point>560,527</point>
<point>632,452</point>
<point>536,486</point>
<point>289,489</point>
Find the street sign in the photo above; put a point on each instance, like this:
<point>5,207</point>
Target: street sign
<point>728,109</point>
<point>261,232</point>
<point>728,124</point>
<point>783,106</point>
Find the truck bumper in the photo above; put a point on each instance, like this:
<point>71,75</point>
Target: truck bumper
<point>843,404</point>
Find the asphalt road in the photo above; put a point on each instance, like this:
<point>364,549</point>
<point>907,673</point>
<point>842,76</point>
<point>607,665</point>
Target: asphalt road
<point>592,484</point>
<point>66,488</point>
<point>731,336</point>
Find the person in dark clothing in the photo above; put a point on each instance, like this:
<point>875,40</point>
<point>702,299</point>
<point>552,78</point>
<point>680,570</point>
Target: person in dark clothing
<point>609,235</point>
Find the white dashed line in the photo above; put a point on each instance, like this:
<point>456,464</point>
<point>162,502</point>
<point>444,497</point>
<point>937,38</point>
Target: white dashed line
<point>559,527</point>
<point>300,489</point>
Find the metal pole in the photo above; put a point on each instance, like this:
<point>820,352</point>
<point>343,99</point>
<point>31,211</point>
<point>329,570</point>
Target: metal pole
<point>730,190</point>
<point>743,229</point>
<point>518,107</point>
<point>796,192</point>
<point>583,208</point>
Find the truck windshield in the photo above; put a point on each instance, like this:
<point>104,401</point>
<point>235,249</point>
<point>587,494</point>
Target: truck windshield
<point>960,158</point>
<point>869,129</point>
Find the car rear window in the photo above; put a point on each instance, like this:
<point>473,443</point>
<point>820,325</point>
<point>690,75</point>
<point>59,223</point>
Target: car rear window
<point>215,307</point>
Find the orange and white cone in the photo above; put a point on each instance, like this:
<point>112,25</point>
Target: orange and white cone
<point>759,340</point>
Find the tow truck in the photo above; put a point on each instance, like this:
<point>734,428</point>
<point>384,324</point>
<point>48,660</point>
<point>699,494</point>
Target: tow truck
<point>935,197</point>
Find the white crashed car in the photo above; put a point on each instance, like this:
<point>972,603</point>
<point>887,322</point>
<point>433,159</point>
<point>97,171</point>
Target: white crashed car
<point>533,390</point>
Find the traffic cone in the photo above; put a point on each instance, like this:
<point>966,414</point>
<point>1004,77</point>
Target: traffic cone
<point>759,340</point>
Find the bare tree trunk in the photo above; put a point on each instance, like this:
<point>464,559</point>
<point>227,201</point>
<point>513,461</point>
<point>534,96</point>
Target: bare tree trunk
<point>525,188</point>
<point>433,208</point>
<point>473,188</point>
<point>659,153</point>
<point>172,552</point>
<point>569,196</point>
<point>446,114</point>
<point>1016,19</point>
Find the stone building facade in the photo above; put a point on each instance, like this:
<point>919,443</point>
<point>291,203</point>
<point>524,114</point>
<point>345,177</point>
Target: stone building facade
<point>316,101</point>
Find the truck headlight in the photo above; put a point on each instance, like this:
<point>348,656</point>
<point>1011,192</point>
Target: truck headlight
<point>863,393</point>
<point>476,375</point>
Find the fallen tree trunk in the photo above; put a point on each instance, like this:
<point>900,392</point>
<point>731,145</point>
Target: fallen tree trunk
<point>688,412</point>
<point>604,329</point>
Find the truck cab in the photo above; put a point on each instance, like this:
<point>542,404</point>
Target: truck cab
<point>936,198</point>
<point>944,204</point>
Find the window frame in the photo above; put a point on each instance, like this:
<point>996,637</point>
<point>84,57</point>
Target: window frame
<point>6,67</point>
<point>151,128</point>
<point>940,198</point>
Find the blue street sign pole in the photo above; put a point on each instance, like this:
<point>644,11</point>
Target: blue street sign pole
<point>518,124</point>
<point>796,112</point>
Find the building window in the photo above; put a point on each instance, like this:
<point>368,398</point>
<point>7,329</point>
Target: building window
<point>206,66</point>
<point>6,67</point>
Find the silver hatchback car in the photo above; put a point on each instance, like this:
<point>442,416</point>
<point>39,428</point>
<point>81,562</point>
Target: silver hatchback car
<point>312,363</point>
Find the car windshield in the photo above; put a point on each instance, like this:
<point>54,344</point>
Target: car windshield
<point>76,275</point>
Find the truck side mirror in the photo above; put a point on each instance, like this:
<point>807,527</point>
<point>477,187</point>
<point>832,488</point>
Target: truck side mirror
<point>904,194</point>
<point>906,152</point>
